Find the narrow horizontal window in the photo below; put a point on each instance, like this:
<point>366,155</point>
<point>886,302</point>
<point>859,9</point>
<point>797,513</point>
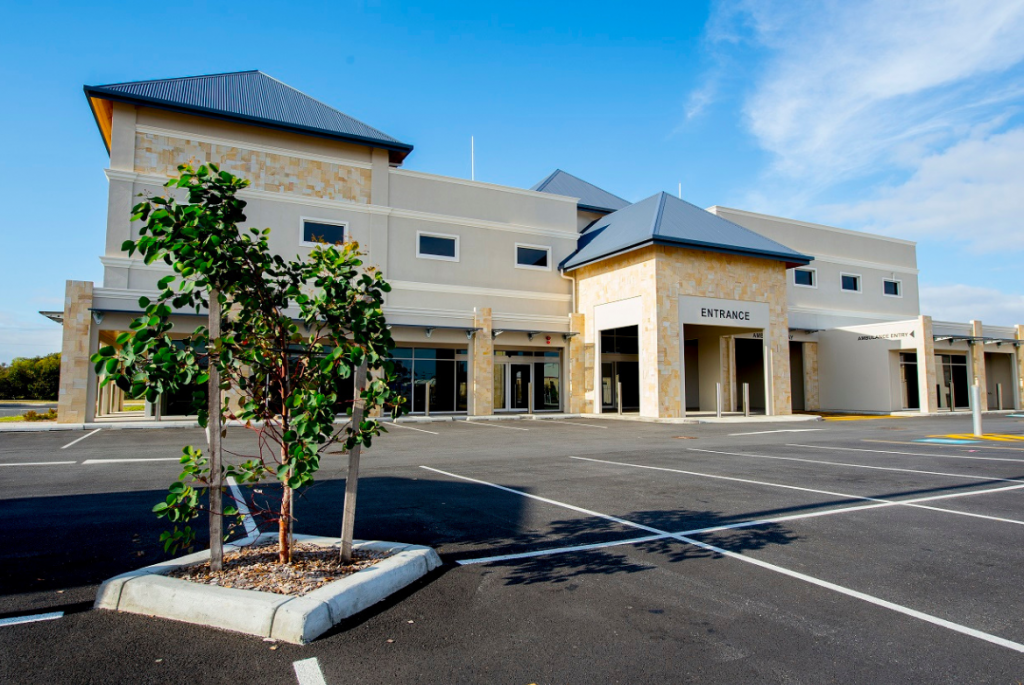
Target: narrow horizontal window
<point>316,232</point>
<point>437,246</point>
<point>892,288</point>
<point>533,256</point>
<point>804,277</point>
<point>851,283</point>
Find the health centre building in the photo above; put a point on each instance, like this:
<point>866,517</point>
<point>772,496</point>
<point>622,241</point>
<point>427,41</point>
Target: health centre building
<point>559,298</point>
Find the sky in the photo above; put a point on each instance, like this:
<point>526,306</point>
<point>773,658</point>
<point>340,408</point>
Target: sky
<point>903,119</point>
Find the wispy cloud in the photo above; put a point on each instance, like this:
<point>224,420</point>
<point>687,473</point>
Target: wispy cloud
<point>848,85</point>
<point>27,336</point>
<point>959,302</point>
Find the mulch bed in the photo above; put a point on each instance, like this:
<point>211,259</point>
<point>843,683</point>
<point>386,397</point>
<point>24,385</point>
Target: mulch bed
<point>257,568</point>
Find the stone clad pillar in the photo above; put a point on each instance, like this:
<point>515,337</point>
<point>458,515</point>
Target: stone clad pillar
<point>812,402</point>
<point>926,371</point>
<point>1018,354</point>
<point>727,363</point>
<point>482,397</point>
<point>978,363</point>
<point>76,397</point>
<point>576,352</point>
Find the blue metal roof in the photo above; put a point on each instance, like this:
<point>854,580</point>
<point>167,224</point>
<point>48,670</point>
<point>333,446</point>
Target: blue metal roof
<point>666,220</point>
<point>590,196</point>
<point>250,97</point>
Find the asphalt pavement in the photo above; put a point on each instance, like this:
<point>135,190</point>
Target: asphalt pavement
<point>576,551</point>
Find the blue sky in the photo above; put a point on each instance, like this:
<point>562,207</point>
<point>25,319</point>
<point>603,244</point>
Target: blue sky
<point>899,118</point>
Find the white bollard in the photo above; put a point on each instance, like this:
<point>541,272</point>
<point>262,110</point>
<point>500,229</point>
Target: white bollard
<point>718,400</point>
<point>976,408</point>
<point>746,399</point>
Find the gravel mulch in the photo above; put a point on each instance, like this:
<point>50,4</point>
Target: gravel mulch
<point>256,568</point>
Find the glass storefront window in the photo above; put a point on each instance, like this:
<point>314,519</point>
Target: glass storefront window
<point>440,371</point>
<point>516,370</point>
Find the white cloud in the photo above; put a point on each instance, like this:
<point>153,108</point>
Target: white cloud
<point>966,302</point>
<point>27,336</point>
<point>972,193</point>
<point>845,85</point>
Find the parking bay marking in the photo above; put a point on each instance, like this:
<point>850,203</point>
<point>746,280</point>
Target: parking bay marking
<point>89,462</point>
<point>729,526</point>
<point>910,454</point>
<point>935,620</point>
<point>488,424</point>
<point>576,423</point>
<point>820,492</point>
<point>780,430</point>
<point>307,672</point>
<point>87,435</point>
<point>401,425</point>
<point>17,620</point>
<point>40,463</point>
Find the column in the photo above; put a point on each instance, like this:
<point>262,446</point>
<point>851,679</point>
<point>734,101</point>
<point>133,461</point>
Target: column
<point>1019,358</point>
<point>978,363</point>
<point>576,353</point>
<point>727,351</point>
<point>811,397</point>
<point>482,397</point>
<point>75,402</point>
<point>926,371</point>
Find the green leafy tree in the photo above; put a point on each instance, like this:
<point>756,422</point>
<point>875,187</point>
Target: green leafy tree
<point>292,332</point>
<point>34,378</point>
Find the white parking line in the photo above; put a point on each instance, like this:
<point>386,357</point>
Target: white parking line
<point>576,423</point>
<point>308,672</point>
<point>40,463</point>
<point>781,430</point>
<point>908,503</point>
<point>88,462</point>
<point>862,466</point>
<point>489,424</point>
<point>87,435</point>
<point>402,425</point>
<point>935,620</point>
<point>251,530</point>
<point>910,454</point>
<point>30,619</point>
<point>729,526</point>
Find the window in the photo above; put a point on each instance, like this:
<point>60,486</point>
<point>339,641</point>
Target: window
<point>437,246</point>
<point>892,288</point>
<point>806,278</point>
<point>533,257</point>
<point>850,282</point>
<point>317,231</point>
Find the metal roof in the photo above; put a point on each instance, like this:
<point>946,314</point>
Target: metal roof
<point>666,220</point>
<point>590,196</point>
<point>250,97</point>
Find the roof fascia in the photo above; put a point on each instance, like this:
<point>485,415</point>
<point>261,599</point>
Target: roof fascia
<point>402,149</point>
<point>791,260</point>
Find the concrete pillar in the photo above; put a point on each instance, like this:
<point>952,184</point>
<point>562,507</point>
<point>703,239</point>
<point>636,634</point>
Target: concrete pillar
<point>76,397</point>
<point>576,353</point>
<point>776,359</point>
<point>1019,358</point>
<point>978,373</point>
<point>812,400</point>
<point>926,369</point>
<point>482,371</point>
<point>727,363</point>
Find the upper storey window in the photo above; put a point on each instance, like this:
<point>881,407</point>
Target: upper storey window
<point>437,246</point>
<point>316,231</point>
<point>805,277</point>
<point>892,288</point>
<point>533,257</point>
<point>851,283</point>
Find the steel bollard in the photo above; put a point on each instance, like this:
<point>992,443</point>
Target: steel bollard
<point>746,399</point>
<point>718,400</point>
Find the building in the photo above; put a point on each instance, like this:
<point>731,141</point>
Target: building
<point>562,297</point>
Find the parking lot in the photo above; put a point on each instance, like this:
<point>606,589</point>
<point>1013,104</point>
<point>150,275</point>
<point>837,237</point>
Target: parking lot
<point>577,551</point>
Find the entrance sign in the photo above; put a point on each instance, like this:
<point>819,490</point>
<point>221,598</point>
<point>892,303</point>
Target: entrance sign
<point>708,311</point>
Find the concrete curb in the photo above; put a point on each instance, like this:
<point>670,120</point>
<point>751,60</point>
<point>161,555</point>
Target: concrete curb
<point>298,620</point>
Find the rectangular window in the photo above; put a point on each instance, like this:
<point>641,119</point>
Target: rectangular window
<point>851,283</point>
<point>892,288</point>
<point>805,278</point>
<point>437,246</point>
<point>314,232</point>
<point>533,257</point>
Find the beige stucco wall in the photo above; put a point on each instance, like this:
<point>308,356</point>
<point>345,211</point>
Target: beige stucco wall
<point>659,276</point>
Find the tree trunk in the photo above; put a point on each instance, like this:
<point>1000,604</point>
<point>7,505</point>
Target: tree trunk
<point>284,528</point>
<point>348,519</point>
<point>213,428</point>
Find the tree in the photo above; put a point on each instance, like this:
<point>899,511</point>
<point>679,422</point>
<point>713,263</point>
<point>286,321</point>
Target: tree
<point>35,378</point>
<point>292,333</point>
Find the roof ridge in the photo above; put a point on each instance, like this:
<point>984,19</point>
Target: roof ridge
<point>544,184</point>
<point>185,78</point>
<point>656,226</point>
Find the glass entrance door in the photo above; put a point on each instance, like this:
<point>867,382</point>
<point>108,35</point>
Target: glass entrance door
<point>519,386</point>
